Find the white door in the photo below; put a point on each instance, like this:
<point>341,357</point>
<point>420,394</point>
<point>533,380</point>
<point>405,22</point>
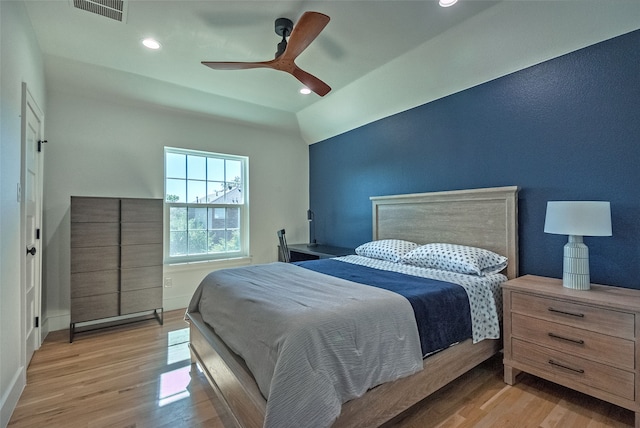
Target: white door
<point>32,214</point>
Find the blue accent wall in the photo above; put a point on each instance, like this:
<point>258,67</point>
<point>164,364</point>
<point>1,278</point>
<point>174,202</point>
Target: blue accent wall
<point>565,129</point>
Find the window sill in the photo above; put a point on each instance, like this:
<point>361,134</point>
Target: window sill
<point>207,264</point>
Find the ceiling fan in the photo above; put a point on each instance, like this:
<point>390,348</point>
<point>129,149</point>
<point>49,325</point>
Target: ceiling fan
<point>306,30</point>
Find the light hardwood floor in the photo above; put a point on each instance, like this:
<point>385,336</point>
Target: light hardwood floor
<point>140,375</point>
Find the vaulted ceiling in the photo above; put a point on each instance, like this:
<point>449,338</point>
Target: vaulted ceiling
<point>379,57</point>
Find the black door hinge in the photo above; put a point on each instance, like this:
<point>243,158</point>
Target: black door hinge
<point>40,143</point>
<point>37,233</point>
<point>37,322</point>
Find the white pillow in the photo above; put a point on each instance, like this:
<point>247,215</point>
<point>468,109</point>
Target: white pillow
<point>456,258</point>
<point>386,249</point>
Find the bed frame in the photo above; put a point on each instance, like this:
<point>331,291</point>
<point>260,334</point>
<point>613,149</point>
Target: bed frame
<point>486,218</point>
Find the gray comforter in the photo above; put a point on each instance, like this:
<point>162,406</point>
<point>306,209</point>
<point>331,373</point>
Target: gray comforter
<point>312,341</point>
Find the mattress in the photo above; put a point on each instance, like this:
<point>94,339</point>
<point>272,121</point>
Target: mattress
<point>318,334</point>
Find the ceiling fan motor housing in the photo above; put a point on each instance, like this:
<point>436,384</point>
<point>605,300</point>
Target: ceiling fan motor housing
<point>284,27</point>
<point>283,24</point>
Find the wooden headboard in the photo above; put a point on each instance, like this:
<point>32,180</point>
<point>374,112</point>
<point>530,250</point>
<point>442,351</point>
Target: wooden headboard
<point>485,218</point>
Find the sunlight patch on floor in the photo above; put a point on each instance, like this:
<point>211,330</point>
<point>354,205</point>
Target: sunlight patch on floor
<point>173,386</point>
<point>178,349</point>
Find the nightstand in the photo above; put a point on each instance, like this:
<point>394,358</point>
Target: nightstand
<point>587,340</point>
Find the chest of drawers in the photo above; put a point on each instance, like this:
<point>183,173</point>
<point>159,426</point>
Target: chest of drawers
<point>116,260</point>
<point>586,340</point>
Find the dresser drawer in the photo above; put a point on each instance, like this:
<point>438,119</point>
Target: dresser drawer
<point>601,320</point>
<point>84,209</point>
<point>574,371</point>
<point>140,278</point>
<point>141,300</point>
<point>141,233</point>
<point>94,307</point>
<point>141,255</point>
<point>94,259</point>
<point>94,283</point>
<point>583,343</point>
<point>142,210</point>
<point>95,235</point>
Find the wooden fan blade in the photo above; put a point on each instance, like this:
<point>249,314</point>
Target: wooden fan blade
<point>305,31</point>
<point>311,82</point>
<point>220,65</point>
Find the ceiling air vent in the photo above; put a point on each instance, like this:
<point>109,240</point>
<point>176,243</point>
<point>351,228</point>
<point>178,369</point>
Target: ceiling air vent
<point>114,9</point>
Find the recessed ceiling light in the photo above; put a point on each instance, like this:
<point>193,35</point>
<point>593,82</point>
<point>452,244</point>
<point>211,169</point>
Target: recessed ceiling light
<point>447,3</point>
<point>151,43</point>
<point>305,91</point>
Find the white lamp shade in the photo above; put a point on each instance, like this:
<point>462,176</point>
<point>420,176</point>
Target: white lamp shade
<point>579,218</point>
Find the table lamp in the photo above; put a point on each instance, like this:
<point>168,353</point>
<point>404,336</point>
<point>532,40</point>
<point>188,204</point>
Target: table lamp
<point>577,219</point>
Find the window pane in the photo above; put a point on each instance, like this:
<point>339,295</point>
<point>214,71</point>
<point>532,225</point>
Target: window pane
<point>233,218</point>
<point>196,167</point>
<point>215,192</point>
<point>196,192</point>
<point>216,241</point>
<point>233,171</point>
<point>233,178</point>
<point>233,241</point>
<point>197,242</point>
<point>178,219</point>
<point>197,218</point>
<point>176,165</point>
<point>177,244</point>
<point>234,196</point>
<point>215,169</point>
<point>176,191</point>
<point>216,218</point>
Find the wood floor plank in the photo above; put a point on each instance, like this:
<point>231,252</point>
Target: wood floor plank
<point>140,375</point>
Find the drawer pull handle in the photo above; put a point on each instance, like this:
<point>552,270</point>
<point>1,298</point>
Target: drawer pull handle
<point>577,341</point>
<point>573,314</point>
<point>554,363</point>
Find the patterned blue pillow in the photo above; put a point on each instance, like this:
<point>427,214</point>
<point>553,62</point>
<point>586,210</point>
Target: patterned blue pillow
<point>456,258</point>
<point>386,249</point>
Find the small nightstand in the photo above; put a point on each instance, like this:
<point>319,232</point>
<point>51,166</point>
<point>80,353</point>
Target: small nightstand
<point>585,340</point>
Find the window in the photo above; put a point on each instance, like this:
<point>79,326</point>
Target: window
<point>206,204</point>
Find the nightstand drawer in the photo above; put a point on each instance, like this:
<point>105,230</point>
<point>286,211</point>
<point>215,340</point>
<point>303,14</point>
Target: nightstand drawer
<point>601,320</point>
<point>583,343</point>
<point>574,371</point>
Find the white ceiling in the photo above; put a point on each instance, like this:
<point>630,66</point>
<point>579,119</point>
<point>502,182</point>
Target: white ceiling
<point>368,49</point>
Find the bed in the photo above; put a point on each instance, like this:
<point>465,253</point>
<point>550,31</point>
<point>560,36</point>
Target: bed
<point>484,218</point>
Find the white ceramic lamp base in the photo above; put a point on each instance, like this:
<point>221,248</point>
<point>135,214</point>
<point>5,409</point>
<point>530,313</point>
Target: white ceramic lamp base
<point>575,272</point>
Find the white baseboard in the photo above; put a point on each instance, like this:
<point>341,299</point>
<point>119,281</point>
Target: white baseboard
<point>12,395</point>
<point>58,322</point>
<point>44,330</point>
<point>176,302</point>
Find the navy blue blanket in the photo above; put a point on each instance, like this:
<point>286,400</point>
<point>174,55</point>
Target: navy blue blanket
<point>441,308</point>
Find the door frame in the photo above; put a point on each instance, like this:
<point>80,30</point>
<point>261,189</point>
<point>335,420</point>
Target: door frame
<point>28,102</point>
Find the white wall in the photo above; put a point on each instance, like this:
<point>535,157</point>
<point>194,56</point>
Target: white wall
<point>100,145</point>
<point>20,62</point>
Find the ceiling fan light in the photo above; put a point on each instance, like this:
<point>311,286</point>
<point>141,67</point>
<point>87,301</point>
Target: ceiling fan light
<point>447,3</point>
<point>151,43</point>
<point>305,91</point>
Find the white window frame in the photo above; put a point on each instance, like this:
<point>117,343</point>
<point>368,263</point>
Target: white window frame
<point>243,251</point>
